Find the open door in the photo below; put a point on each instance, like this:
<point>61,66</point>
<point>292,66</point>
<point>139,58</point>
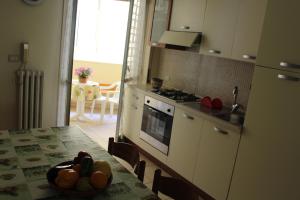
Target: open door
<point>133,55</point>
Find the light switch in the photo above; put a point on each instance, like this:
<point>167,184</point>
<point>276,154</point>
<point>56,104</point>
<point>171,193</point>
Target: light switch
<point>13,58</point>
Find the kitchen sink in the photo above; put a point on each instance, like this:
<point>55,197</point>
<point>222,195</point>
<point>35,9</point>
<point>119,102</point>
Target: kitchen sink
<point>224,114</point>
<point>233,118</point>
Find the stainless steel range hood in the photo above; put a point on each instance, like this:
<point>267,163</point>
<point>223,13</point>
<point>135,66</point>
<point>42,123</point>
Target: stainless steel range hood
<point>181,40</point>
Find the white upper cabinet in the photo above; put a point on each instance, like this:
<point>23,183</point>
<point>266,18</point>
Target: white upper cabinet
<point>160,21</point>
<point>187,15</point>
<point>280,41</point>
<point>219,27</point>
<point>248,29</point>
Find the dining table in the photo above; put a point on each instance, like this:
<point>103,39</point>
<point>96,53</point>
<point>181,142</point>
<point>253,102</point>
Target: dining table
<point>27,155</point>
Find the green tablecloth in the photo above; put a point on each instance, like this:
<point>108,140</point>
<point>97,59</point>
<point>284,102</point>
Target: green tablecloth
<point>25,157</point>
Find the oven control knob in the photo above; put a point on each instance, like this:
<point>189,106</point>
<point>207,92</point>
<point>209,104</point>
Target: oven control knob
<point>169,110</point>
<point>148,101</point>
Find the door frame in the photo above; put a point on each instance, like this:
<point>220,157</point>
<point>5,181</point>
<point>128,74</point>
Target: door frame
<point>124,70</point>
<point>66,63</point>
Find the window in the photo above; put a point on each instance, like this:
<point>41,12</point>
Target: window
<point>136,43</point>
<point>101,31</point>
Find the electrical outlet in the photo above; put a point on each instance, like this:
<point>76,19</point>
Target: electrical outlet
<point>13,58</point>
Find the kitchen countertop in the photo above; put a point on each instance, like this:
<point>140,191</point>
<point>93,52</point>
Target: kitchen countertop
<point>220,117</point>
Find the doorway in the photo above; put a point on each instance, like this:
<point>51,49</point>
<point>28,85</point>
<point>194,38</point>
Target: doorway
<point>134,42</point>
<point>99,46</point>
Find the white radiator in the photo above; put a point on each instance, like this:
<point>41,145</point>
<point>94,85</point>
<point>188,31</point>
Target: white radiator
<point>30,98</point>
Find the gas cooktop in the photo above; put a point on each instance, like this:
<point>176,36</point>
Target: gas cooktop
<point>176,95</point>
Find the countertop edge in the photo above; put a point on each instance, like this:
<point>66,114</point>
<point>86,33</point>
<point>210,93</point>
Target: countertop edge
<point>224,124</point>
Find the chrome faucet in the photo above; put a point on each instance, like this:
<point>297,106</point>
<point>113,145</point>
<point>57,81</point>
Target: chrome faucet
<point>235,107</point>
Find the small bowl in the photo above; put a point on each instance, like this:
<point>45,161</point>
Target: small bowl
<point>74,192</point>
<point>156,83</point>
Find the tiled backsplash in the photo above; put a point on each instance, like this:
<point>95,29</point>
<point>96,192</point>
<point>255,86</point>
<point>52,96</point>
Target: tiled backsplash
<point>203,75</point>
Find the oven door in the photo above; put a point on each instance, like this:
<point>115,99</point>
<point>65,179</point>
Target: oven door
<point>156,128</point>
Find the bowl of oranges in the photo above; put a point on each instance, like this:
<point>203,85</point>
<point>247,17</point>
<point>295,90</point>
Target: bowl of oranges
<point>81,177</point>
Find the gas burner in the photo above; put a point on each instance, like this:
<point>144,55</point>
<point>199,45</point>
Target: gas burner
<point>176,95</point>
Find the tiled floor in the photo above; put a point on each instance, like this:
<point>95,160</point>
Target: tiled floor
<point>100,132</point>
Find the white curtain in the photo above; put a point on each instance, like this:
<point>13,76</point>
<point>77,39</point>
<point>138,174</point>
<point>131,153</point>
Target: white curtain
<point>136,44</point>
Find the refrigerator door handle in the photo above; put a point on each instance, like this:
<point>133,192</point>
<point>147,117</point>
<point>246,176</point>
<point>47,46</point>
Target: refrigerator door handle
<point>216,129</point>
<point>288,78</point>
<point>289,65</point>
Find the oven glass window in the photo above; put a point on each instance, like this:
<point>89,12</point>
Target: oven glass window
<point>157,124</point>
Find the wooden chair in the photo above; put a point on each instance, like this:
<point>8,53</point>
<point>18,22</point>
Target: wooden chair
<point>173,187</point>
<point>130,154</point>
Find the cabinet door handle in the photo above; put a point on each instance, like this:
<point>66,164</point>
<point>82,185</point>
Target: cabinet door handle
<point>289,65</point>
<point>134,107</point>
<point>249,57</point>
<point>288,78</point>
<point>188,116</point>
<point>214,51</point>
<point>185,27</point>
<point>220,130</point>
<point>135,96</point>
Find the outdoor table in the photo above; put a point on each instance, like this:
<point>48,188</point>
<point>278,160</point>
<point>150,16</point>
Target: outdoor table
<point>82,92</point>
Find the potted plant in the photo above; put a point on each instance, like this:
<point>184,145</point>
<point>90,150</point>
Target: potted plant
<point>83,73</point>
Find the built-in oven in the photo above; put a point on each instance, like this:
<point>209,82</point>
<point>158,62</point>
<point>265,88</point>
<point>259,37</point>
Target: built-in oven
<point>157,124</point>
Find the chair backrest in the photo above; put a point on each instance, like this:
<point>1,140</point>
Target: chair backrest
<point>173,187</point>
<point>130,154</point>
<point>117,90</point>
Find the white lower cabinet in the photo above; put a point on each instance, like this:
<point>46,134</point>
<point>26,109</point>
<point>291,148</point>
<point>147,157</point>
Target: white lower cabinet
<point>132,113</point>
<point>184,144</point>
<point>215,160</point>
<point>201,151</point>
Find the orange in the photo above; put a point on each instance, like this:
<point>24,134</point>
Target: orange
<point>103,166</point>
<point>83,184</point>
<point>63,183</point>
<point>77,168</point>
<point>98,180</point>
<point>66,178</point>
<point>69,175</point>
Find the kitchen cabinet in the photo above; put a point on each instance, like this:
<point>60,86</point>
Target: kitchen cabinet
<point>132,113</point>
<point>187,15</point>
<point>215,160</point>
<point>219,27</point>
<point>267,165</point>
<point>160,22</point>
<point>248,29</point>
<point>186,134</point>
<point>280,41</point>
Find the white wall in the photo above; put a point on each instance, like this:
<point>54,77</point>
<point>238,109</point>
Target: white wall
<point>41,27</point>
